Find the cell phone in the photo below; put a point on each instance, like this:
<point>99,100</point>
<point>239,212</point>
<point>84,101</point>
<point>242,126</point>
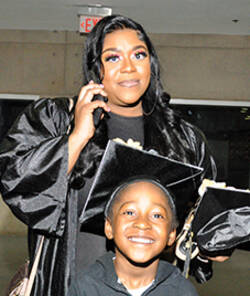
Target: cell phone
<point>98,111</point>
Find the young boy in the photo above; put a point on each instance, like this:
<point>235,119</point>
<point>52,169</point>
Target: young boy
<point>141,219</point>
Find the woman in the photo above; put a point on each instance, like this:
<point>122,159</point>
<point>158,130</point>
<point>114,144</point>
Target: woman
<point>50,155</point>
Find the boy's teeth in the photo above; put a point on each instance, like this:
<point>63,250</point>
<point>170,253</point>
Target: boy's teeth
<point>141,240</point>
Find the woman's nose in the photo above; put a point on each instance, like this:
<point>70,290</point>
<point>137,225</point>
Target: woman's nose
<point>128,65</point>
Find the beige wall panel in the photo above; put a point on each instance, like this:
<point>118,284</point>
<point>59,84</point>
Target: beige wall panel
<point>201,40</point>
<point>11,67</point>
<point>193,65</point>
<point>45,73</point>
<point>73,68</point>
<point>9,224</point>
<point>32,36</point>
<point>32,68</point>
<point>75,38</point>
<point>205,73</point>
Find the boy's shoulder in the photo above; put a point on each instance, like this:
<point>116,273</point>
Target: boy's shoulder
<point>98,279</point>
<point>102,269</point>
<point>172,281</point>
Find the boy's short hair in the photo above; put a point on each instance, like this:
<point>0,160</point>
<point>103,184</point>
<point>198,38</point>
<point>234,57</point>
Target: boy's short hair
<point>116,194</point>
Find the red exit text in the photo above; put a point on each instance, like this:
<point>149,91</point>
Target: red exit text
<point>87,23</point>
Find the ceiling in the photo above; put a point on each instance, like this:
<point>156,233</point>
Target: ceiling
<point>157,16</point>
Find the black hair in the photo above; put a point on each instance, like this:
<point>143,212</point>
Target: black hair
<point>115,197</point>
<point>162,128</point>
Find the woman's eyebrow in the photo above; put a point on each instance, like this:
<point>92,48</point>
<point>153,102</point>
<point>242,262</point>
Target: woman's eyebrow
<point>111,49</point>
<point>117,50</point>
<point>140,46</point>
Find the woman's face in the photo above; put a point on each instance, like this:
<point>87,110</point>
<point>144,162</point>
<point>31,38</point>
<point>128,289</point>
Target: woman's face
<point>126,70</point>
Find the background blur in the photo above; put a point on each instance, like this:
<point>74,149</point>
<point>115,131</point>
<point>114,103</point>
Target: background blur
<point>203,48</point>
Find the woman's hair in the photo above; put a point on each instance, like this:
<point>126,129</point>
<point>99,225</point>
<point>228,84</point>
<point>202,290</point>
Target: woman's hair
<point>161,126</point>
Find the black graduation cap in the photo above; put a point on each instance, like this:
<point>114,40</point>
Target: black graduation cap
<point>222,220</point>
<point>120,163</point>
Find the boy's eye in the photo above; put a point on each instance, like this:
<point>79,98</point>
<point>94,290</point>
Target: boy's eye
<point>140,55</point>
<point>128,212</point>
<point>112,58</point>
<point>158,216</point>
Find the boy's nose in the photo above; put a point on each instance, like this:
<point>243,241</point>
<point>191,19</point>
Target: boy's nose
<point>128,65</point>
<point>142,223</point>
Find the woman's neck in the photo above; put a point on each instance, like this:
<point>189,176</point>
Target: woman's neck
<point>135,276</point>
<point>128,111</point>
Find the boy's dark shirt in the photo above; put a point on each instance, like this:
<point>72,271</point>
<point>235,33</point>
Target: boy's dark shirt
<point>101,279</point>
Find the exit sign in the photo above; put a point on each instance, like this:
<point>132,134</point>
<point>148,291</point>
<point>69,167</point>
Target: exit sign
<point>88,22</point>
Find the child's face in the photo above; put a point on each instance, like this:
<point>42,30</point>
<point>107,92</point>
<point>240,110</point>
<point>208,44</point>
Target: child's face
<point>141,222</point>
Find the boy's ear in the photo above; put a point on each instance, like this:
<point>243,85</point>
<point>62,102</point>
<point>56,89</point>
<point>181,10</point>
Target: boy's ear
<point>171,238</point>
<point>108,229</point>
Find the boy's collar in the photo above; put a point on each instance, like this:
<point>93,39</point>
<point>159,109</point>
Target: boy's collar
<point>110,278</point>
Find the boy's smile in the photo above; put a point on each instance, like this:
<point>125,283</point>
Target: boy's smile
<point>141,223</point>
<point>141,240</point>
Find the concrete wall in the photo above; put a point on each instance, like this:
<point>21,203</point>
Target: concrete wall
<point>205,66</point>
<point>9,224</point>
<point>193,66</point>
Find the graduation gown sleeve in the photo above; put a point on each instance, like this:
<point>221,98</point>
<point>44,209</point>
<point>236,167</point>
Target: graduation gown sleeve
<point>198,143</point>
<point>33,165</point>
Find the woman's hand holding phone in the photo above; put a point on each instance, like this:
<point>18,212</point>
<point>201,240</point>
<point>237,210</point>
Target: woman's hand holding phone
<point>85,109</point>
<point>84,128</point>
<point>97,114</point>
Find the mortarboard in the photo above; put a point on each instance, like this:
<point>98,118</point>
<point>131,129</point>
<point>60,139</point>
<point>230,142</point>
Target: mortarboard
<point>222,220</point>
<point>120,163</point>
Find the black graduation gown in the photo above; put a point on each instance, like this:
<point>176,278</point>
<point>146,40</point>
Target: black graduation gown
<point>35,185</point>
